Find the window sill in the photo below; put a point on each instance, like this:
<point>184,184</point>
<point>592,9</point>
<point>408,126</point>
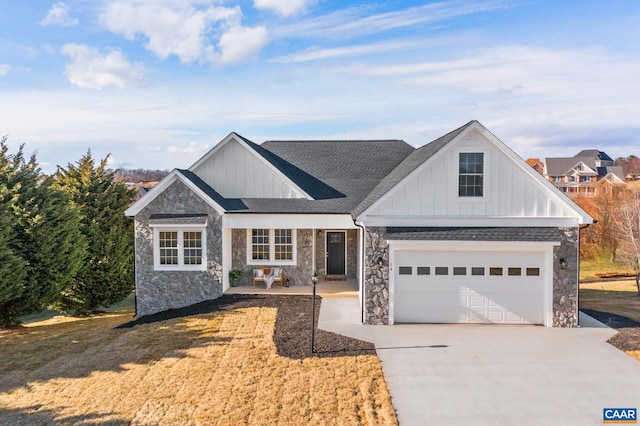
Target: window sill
<point>179,268</point>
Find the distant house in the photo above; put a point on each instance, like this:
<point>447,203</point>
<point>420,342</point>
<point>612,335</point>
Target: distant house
<point>536,164</point>
<point>460,230</point>
<point>588,173</point>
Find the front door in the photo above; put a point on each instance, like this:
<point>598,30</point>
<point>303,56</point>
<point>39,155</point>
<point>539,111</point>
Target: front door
<point>336,252</point>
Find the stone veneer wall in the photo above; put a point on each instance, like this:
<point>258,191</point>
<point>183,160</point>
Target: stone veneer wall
<point>321,254</point>
<point>299,274</point>
<point>158,291</point>
<point>376,278</point>
<point>352,253</point>
<point>565,281</point>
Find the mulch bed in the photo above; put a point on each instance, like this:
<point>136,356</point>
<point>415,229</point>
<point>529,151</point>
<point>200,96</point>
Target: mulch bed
<point>292,335</point>
<point>628,336</point>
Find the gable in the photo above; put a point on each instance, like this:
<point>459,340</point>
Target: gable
<point>512,190</point>
<point>200,189</point>
<point>235,170</point>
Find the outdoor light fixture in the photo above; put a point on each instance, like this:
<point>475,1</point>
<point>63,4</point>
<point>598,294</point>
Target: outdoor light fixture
<point>563,263</point>
<point>314,281</point>
<point>319,233</point>
<point>380,262</point>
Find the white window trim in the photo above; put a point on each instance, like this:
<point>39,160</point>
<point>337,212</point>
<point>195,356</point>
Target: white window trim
<point>180,230</point>
<point>272,244</point>
<point>485,175</point>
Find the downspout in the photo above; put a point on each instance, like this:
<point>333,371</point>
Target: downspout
<point>361,278</point>
<point>135,273</point>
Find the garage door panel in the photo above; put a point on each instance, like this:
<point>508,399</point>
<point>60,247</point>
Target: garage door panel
<point>513,299</point>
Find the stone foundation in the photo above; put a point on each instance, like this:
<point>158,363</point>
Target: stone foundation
<point>565,281</point>
<point>376,277</point>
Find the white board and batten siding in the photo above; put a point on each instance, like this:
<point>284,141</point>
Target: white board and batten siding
<point>431,191</point>
<point>236,171</point>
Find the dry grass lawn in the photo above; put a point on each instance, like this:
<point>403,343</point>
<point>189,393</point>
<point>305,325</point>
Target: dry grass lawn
<point>220,368</point>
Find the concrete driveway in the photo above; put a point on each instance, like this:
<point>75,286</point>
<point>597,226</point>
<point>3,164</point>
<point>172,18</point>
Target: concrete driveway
<point>494,375</point>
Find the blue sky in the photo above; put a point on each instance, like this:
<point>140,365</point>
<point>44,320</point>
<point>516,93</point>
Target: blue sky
<point>157,83</point>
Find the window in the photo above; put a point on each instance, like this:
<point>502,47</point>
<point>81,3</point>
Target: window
<point>179,248</point>
<point>477,270</point>
<point>442,270</point>
<point>533,272</point>
<point>405,270</point>
<point>557,178</point>
<point>471,174</point>
<point>260,247</point>
<point>514,272</point>
<point>459,270</point>
<point>424,270</point>
<point>495,271</point>
<point>271,246</point>
<point>283,244</point>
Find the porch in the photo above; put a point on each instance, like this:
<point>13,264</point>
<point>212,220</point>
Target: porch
<point>347,288</point>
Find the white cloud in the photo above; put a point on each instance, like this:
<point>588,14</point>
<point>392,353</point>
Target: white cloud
<point>89,69</point>
<point>59,15</point>
<point>313,54</point>
<point>192,148</point>
<point>284,7</point>
<point>357,21</point>
<point>4,69</point>
<point>241,43</point>
<point>186,29</point>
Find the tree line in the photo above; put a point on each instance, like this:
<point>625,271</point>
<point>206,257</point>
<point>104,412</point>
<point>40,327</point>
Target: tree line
<point>630,165</point>
<point>64,241</point>
<point>616,232</point>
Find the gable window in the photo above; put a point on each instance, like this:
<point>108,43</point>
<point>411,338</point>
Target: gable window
<point>179,248</point>
<point>471,174</point>
<point>271,246</point>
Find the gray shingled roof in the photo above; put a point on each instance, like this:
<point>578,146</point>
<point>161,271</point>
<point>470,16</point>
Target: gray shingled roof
<point>616,170</point>
<point>408,165</point>
<point>342,176</point>
<point>225,203</point>
<point>595,154</point>
<point>559,166</point>
<point>474,234</point>
<point>316,188</point>
<point>351,168</point>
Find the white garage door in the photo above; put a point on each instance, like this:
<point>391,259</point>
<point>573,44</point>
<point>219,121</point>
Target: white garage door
<point>468,287</point>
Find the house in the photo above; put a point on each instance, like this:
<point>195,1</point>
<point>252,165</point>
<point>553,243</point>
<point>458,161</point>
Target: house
<point>537,164</point>
<point>458,230</point>
<point>587,173</point>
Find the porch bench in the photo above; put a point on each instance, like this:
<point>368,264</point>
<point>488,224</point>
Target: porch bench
<point>260,273</point>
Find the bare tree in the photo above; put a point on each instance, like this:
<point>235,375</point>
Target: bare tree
<point>629,227</point>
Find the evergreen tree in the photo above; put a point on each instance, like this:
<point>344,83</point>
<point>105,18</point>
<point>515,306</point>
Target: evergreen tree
<point>107,276</point>
<point>12,267</point>
<point>45,234</point>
